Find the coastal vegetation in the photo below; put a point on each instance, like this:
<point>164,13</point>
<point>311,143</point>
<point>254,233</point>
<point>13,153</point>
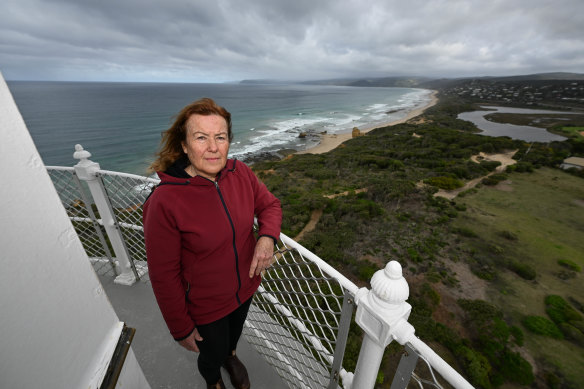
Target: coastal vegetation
<point>494,273</point>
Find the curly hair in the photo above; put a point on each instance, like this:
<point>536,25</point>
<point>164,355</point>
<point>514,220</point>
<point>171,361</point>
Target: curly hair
<point>171,143</point>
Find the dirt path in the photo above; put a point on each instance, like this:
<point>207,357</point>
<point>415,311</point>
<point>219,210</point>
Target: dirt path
<point>314,218</point>
<point>316,214</point>
<point>345,193</point>
<point>506,159</point>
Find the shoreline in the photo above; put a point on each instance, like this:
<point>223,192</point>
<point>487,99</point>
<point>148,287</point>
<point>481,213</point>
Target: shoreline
<point>329,142</point>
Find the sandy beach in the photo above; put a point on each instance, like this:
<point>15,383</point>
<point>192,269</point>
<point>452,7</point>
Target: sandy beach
<point>331,141</point>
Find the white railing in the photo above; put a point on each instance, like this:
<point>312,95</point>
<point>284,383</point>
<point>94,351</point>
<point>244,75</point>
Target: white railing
<point>299,320</point>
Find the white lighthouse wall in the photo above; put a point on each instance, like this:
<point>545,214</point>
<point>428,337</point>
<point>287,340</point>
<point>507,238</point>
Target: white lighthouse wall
<point>56,322</point>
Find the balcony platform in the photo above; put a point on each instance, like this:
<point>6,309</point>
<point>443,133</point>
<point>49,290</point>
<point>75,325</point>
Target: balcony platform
<point>166,364</point>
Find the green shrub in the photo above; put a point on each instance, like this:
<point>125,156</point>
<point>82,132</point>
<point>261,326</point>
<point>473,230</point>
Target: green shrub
<point>490,165</point>
<point>468,192</point>
<point>508,235</point>
<point>461,172</point>
<point>569,265</point>
<point>484,272</point>
<point>380,377</point>
<point>572,333</point>
<point>433,277</point>
<point>366,270</point>
<point>523,270</point>
<point>430,295</point>
<point>489,181</point>
<point>494,249</point>
<point>559,310</point>
<point>492,339</point>
<point>446,183</point>
<point>413,254</point>
<point>494,179</point>
<point>499,330</point>
<point>517,334</point>
<point>523,167</point>
<point>513,367</point>
<point>479,311</point>
<point>556,314</point>
<point>320,173</point>
<point>466,232</point>
<point>542,326</point>
<point>487,148</point>
<point>366,208</point>
<point>380,162</point>
<point>476,366</point>
<point>460,207</point>
<point>556,301</point>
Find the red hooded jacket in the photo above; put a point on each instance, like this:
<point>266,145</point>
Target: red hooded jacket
<point>200,243</point>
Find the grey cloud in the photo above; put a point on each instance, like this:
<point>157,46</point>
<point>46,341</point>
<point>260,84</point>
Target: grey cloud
<point>185,40</point>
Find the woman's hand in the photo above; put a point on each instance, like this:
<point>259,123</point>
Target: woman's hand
<point>262,256</point>
<point>189,342</point>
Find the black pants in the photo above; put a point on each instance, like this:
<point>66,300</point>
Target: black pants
<point>219,340</point>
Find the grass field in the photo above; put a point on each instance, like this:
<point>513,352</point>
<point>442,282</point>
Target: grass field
<point>543,212</point>
<point>574,132</point>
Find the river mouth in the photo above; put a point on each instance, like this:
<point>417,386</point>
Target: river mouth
<point>520,132</point>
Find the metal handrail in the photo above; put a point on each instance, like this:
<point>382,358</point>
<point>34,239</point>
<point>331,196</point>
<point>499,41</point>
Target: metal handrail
<point>344,281</point>
<point>298,313</point>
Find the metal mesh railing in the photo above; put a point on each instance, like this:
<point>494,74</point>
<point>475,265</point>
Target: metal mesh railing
<point>126,194</point>
<point>300,316</point>
<point>85,218</point>
<point>300,320</point>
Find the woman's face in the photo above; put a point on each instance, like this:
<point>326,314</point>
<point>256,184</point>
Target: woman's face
<point>206,144</point>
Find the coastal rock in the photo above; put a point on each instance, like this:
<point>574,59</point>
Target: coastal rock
<point>356,132</point>
<point>302,135</point>
<point>283,153</point>
<point>251,158</point>
<point>263,156</point>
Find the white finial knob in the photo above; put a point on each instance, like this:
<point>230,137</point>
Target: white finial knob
<point>85,168</point>
<point>80,154</point>
<point>393,270</point>
<point>389,285</point>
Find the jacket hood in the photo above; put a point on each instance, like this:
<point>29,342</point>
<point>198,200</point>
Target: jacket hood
<point>176,174</point>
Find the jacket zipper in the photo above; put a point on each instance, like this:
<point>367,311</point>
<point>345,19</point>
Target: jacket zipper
<point>233,242</point>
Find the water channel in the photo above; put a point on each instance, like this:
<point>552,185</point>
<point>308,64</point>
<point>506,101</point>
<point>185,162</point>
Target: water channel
<point>526,133</point>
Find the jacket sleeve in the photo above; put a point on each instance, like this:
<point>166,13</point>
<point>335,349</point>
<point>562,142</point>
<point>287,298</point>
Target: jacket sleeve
<point>267,208</point>
<point>163,248</point>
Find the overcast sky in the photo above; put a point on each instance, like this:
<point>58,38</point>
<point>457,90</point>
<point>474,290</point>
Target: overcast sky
<point>228,40</point>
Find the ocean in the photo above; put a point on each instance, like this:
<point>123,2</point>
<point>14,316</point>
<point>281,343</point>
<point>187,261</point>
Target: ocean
<point>120,123</point>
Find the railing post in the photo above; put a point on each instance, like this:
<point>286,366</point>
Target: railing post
<point>382,312</point>
<point>87,170</point>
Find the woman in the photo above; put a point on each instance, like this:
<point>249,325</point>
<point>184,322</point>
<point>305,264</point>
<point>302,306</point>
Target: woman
<point>204,261</point>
